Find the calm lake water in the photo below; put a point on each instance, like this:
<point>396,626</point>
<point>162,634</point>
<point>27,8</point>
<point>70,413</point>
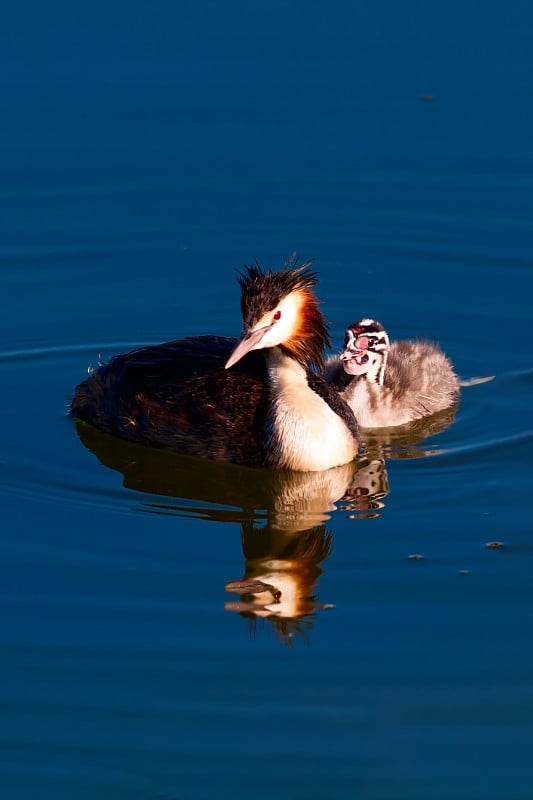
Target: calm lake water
<point>146,152</point>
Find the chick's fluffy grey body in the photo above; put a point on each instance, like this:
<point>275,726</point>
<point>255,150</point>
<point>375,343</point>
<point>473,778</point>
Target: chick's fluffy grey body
<point>418,380</point>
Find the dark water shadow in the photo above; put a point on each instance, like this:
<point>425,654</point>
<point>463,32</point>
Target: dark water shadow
<point>282,515</point>
<point>220,491</point>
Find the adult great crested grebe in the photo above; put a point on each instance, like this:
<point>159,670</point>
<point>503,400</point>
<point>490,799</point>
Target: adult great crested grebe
<point>212,396</point>
<point>391,384</point>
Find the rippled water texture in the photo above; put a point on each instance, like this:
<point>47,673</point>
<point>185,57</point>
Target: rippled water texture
<point>173,628</point>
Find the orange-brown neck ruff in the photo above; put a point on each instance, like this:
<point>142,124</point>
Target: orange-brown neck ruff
<point>311,336</point>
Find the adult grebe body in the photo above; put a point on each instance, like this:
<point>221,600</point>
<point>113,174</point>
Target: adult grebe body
<point>387,384</point>
<point>255,401</point>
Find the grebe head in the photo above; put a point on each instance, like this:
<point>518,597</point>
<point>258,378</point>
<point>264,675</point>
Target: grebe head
<point>366,346</point>
<point>281,309</point>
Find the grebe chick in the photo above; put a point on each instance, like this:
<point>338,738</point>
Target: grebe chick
<point>212,396</point>
<point>391,384</point>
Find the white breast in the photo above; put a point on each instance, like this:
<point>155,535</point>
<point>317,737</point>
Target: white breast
<point>305,432</point>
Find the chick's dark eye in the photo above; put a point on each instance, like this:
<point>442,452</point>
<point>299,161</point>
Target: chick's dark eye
<point>372,341</point>
<point>277,315</point>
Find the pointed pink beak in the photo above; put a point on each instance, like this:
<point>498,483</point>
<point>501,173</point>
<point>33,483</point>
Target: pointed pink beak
<point>250,341</point>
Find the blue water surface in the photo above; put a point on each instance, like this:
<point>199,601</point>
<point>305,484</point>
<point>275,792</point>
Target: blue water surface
<point>147,152</point>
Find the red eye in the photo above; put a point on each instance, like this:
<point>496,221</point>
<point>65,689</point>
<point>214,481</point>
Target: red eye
<point>277,315</point>
<point>358,330</point>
